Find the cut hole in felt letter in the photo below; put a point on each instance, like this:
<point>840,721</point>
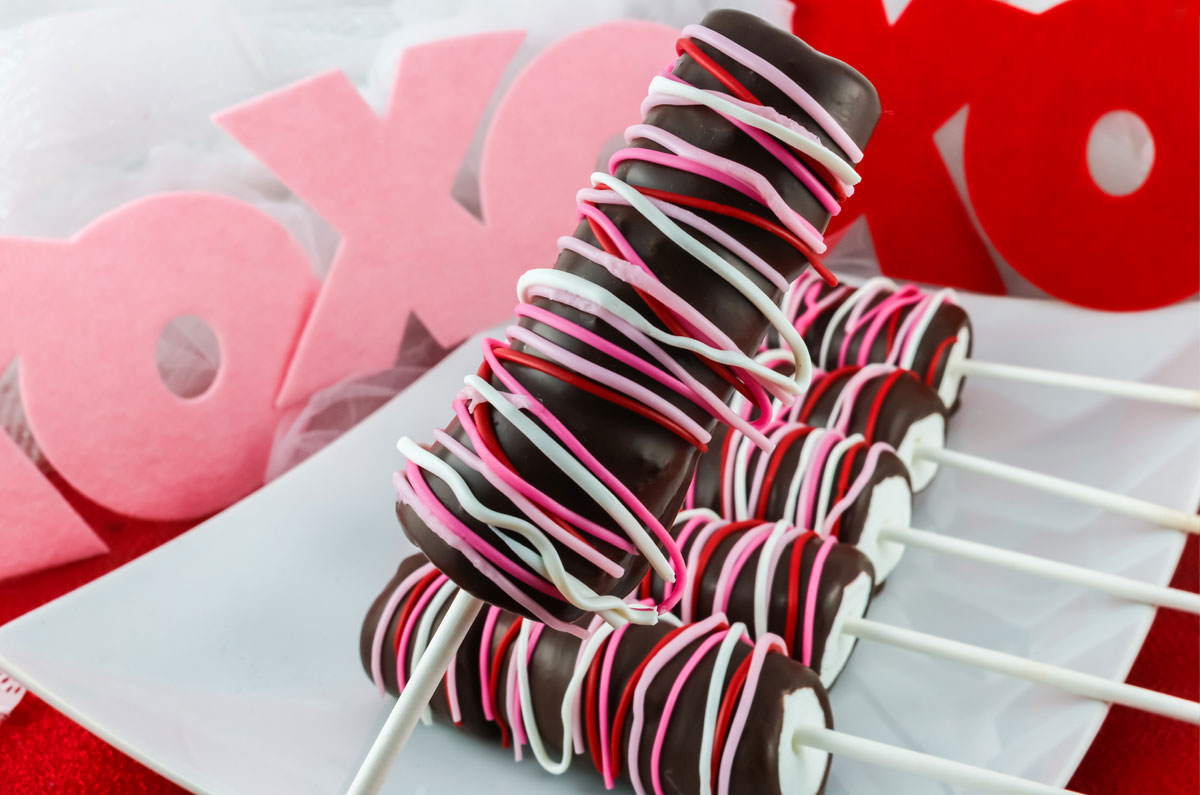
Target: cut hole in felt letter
<point>188,356</point>
<point>1120,152</point>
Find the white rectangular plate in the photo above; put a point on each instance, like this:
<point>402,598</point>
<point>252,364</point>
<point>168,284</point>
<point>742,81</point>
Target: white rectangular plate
<point>228,659</point>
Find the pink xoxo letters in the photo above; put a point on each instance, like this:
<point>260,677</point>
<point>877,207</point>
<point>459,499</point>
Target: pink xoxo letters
<point>83,316</point>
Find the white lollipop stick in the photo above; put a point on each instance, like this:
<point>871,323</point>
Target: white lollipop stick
<point>1153,393</point>
<point>1129,506</point>
<point>1111,584</point>
<point>415,696</point>
<point>1086,685</point>
<point>903,759</point>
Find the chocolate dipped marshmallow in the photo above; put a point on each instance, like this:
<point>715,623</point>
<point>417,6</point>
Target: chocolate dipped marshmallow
<point>777,579</point>
<point>674,709</point>
<point>839,486</point>
<point>881,403</point>
<point>682,709</point>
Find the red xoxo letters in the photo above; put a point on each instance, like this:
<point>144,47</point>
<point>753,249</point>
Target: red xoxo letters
<point>1033,86</point>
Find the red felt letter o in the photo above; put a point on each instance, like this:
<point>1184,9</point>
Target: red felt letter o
<point>1026,156</point>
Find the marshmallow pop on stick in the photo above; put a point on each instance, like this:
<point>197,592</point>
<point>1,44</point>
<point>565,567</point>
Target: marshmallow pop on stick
<point>577,438</point>
<point>859,493</point>
<point>814,592</point>
<point>881,322</point>
<point>684,709</point>
<point>889,404</point>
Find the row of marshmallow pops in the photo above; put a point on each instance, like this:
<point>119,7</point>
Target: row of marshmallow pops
<point>794,360</point>
<point>929,333</point>
<point>815,604</point>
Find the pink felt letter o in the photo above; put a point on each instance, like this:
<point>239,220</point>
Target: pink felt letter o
<point>92,390</point>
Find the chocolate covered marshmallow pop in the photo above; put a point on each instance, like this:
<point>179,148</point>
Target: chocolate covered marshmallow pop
<point>881,322</point>
<point>576,439</point>
<point>886,403</point>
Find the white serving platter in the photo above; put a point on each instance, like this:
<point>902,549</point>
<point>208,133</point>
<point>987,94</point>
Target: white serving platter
<point>227,659</point>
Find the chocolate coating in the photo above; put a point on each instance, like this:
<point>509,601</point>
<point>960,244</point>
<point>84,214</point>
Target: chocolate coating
<point>654,463</point>
<point>473,720</point>
<point>706,493</point>
<point>905,403</point>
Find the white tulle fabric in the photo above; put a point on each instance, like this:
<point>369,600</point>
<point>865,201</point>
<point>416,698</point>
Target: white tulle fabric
<point>335,409</point>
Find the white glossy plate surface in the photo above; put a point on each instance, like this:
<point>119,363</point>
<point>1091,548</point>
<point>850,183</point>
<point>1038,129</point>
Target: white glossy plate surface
<point>227,659</point>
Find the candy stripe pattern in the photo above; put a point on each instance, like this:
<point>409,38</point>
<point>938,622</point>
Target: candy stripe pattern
<point>642,341</point>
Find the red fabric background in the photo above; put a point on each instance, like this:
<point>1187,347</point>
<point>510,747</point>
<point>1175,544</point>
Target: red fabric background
<point>41,751</point>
